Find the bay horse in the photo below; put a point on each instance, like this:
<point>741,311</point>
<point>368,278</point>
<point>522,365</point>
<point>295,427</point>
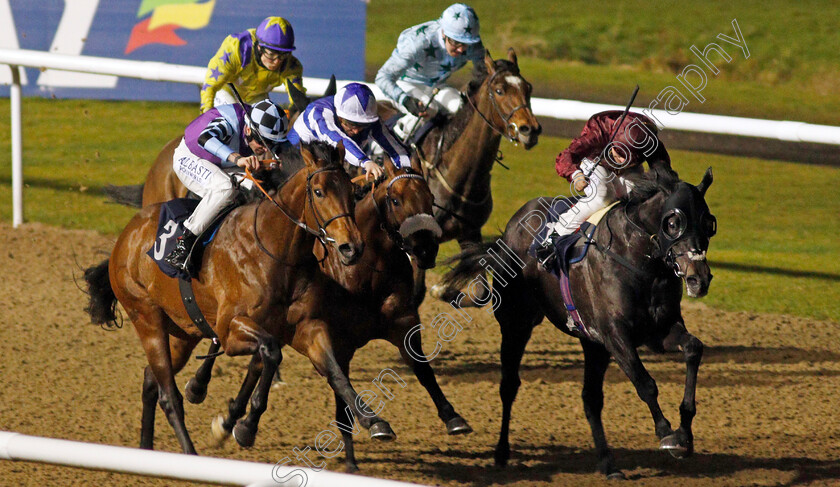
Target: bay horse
<point>259,288</point>
<point>396,223</point>
<point>627,291</point>
<point>457,157</point>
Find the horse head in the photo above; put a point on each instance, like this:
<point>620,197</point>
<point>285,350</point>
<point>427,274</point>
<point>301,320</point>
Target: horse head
<point>685,228</point>
<point>404,203</point>
<point>510,96</point>
<point>330,201</point>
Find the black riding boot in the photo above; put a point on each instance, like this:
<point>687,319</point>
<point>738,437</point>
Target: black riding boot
<point>178,257</point>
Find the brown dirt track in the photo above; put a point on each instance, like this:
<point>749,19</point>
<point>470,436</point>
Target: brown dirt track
<point>767,396</point>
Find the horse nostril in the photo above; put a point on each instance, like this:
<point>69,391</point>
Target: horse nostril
<point>347,249</point>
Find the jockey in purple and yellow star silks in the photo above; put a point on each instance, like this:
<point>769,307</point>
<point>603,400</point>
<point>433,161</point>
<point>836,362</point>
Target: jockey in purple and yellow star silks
<point>256,61</point>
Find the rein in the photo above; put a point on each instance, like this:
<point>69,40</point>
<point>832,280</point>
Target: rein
<point>618,258</point>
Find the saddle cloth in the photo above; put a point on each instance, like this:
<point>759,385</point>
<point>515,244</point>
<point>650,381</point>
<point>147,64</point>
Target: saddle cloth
<point>170,227</point>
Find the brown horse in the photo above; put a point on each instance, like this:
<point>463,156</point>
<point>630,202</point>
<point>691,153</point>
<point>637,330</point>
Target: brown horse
<point>457,157</point>
<point>259,287</point>
<point>396,223</point>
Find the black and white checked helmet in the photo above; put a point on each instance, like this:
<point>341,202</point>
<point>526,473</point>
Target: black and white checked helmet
<point>270,119</point>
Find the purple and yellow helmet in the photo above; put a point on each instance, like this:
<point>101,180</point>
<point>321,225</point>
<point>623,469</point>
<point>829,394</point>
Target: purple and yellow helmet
<point>276,33</point>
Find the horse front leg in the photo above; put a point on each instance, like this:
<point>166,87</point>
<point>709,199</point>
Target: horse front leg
<point>196,389</point>
<point>621,348</point>
<point>411,350</point>
<point>312,340</point>
<point>419,289</point>
<point>222,427</point>
<point>681,443</point>
<point>249,338</point>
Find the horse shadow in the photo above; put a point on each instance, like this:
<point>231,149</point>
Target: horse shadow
<point>560,366</point>
<point>542,462</point>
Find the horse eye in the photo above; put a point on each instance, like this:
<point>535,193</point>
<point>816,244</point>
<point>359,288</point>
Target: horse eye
<point>498,91</point>
<point>319,193</point>
<point>395,201</point>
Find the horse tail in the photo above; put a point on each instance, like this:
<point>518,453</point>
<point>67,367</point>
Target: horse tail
<point>125,195</point>
<point>469,263</point>
<point>103,302</point>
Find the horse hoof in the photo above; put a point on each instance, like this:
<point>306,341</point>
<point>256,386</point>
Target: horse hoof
<point>458,426</point>
<point>617,475</point>
<point>501,456</point>
<point>194,392</point>
<point>243,435</point>
<point>676,446</point>
<point>217,427</point>
<point>351,468</point>
<point>437,291</point>
<point>382,431</point>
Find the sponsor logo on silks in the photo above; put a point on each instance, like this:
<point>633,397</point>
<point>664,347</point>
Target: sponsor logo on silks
<point>166,17</point>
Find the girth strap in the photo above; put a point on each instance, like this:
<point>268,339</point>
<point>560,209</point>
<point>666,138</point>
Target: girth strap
<point>194,312</point>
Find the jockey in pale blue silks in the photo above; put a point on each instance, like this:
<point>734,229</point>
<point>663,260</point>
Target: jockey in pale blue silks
<point>350,117</point>
<point>425,56</point>
<point>217,141</point>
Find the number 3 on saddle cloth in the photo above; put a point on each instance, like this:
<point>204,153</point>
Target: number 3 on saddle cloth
<point>560,253</point>
<point>171,226</point>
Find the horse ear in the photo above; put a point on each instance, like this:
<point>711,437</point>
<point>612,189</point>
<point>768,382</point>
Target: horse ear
<point>331,87</point>
<point>390,169</point>
<point>488,61</point>
<point>706,182</point>
<point>512,57</point>
<point>308,157</point>
<point>340,148</point>
<point>299,99</point>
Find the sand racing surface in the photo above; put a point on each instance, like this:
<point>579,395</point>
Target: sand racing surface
<point>767,399</point>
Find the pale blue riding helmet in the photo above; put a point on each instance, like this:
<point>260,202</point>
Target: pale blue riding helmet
<point>460,23</point>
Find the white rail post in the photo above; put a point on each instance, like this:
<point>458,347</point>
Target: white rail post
<point>17,148</point>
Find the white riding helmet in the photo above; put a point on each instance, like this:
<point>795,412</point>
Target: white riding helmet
<point>460,23</point>
<point>270,120</point>
<point>356,103</point>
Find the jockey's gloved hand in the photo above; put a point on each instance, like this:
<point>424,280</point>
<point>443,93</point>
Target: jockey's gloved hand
<point>414,106</point>
<point>373,170</point>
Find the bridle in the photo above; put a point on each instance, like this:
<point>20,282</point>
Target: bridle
<point>510,128</point>
<point>393,233</point>
<point>321,232</point>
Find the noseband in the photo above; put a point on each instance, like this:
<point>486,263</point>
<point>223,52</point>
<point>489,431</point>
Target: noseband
<point>393,233</point>
<point>510,128</point>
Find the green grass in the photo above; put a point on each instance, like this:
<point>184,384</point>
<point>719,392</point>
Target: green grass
<point>776,250</point>
<point>597,50</point>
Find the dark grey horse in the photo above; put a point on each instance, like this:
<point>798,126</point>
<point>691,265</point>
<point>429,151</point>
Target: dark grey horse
<point>627,291</point>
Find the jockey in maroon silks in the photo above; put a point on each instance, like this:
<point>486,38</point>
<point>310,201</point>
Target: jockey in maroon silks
<point>609,166</point>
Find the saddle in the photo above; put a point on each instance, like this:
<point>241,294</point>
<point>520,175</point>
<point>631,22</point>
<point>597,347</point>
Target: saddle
<point>561,253</point>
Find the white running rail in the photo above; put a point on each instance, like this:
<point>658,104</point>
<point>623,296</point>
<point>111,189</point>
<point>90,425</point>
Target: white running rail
<point>560,109</point>
<point>16,446</point>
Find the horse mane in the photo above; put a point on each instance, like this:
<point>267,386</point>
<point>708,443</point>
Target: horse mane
<point>659,179</point>
<point>274,179</point>
<point>459,120</point>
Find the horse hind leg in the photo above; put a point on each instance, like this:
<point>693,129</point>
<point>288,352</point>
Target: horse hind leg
<point>150,399</point>
<point>596,361</point>
<point>516,326</point>
<point>681,443</point>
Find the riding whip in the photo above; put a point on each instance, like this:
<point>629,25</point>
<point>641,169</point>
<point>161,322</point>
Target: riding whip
<point>614,132</point>
<point>254,128</point>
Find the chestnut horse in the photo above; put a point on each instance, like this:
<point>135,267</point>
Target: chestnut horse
<point>395,220</point>
<point>627,291</point>
<point>259,288</point>
<point>457,157</point>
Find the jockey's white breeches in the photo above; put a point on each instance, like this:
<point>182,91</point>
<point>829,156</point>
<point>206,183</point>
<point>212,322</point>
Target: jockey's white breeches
<point>447,101</point>
<point>604,188</point>
<point>208,181</point>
